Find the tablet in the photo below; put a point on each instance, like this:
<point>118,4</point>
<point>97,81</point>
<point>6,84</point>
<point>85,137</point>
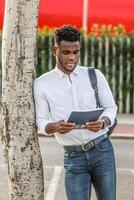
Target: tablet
<point>82,117</point>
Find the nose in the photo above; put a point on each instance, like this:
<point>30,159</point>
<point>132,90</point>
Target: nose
<point>72,56</point>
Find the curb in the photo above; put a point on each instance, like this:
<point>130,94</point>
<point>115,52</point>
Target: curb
<point>122,136</point>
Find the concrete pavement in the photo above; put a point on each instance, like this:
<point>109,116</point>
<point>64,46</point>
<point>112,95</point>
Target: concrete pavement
<point>125,127</point>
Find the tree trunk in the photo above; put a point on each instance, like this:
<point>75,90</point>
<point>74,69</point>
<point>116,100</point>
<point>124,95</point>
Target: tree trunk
<point>24,162</point>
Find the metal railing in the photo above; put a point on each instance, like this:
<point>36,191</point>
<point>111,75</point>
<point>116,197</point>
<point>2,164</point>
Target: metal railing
<point>115,58</point>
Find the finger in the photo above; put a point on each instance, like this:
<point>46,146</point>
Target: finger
<point>61,121</point>
<point>70,124</point>
<point>92,126</point>
<point>66,128</point>
<point>67,124</point>
<point>64,131</point>
<point>92,122</point>
<point>96,124</point>
<point>83,126</point>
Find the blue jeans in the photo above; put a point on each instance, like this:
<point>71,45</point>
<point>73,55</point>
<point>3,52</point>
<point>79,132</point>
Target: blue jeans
<point>97,167</point>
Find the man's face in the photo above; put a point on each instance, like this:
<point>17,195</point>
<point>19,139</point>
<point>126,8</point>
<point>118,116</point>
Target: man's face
<point>67,55</point>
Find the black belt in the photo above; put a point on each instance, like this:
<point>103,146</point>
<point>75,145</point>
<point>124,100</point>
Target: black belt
<point>87,146</point>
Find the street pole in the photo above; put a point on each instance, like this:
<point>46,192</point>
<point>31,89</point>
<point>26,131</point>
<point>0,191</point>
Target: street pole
<point>85,15</point>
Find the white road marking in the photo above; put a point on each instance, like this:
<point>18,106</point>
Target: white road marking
<point>53,183</point>
<point>129,170</point>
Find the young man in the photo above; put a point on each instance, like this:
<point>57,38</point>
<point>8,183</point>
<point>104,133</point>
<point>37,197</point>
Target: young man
<point>88,156</point>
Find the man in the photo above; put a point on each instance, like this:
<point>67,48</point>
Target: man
<point>88,155</point>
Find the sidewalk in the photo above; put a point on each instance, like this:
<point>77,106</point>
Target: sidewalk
<point>125,127</point>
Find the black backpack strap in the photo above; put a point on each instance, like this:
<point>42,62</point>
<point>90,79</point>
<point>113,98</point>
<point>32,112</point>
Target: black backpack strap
<point>93,79</point>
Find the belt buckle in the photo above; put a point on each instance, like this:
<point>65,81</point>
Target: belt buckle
<point>86,149</point>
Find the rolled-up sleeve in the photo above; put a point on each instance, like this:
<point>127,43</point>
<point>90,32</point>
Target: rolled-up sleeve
<point>41,107</point>
<point>106,98</point>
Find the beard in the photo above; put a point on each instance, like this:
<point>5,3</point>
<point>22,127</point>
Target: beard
<point>66,67</point>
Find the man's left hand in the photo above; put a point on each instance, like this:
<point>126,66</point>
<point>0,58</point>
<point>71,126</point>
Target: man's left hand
<point>93,125</point>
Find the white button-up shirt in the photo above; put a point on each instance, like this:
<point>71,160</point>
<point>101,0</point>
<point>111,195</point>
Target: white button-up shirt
<point>57,94</point>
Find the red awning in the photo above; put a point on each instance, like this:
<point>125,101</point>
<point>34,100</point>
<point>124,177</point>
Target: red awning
<point>59,12</point>
<point>112,12</point>
<point>2,4</point>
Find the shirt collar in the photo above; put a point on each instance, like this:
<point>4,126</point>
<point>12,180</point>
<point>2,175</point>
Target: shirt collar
<point>62,74</point>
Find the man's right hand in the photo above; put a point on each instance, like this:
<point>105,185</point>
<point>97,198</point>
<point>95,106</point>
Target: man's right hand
<point>61,127</point>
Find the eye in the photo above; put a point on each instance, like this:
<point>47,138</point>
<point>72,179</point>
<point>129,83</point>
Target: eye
<point>76,52</point>
<point>65,52</point>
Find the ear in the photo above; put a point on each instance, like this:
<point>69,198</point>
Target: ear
<point>54,49</point>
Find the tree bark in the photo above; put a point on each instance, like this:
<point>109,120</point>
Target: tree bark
<point>24,162</point>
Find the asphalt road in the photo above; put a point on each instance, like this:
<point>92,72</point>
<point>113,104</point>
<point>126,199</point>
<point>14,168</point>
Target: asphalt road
<point>52,154</point>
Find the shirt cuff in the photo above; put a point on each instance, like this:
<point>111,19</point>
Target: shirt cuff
<point>42,126</point>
